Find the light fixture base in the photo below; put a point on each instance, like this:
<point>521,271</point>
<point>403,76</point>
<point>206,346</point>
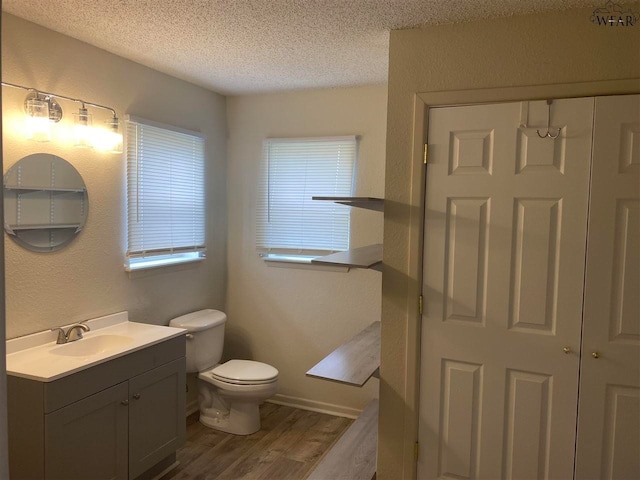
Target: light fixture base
<point>55,110</point>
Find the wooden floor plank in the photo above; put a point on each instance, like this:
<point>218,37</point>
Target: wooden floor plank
<point>287,447</point>
<point>353,457</point>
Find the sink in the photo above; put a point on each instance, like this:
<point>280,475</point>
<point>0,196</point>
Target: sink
<point>92,346</point>
<point>38,357</point>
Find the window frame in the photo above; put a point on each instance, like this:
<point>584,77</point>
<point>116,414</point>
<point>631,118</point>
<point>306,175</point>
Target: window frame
<point>140,259</point>
<point>301,255</point>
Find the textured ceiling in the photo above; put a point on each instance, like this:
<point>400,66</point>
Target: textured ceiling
<point>248,46</point>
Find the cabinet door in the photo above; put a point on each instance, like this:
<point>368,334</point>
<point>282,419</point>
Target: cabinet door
<point>504,246</point>
<point>156,415</point>
<point>609,411</point>
<point>87,440</point>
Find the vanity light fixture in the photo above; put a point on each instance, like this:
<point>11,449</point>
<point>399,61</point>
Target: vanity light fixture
<point>82,128</point>
<point>37,121</point>
<point>42,110</point>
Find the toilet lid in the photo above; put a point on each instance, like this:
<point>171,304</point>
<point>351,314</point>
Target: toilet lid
<point>244,372</point>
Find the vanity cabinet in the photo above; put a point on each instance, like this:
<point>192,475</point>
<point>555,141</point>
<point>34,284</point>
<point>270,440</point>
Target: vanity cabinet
<point>117,420</point>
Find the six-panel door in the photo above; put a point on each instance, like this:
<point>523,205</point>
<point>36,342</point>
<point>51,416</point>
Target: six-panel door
<point>505,234</point>
<point>609,413</point>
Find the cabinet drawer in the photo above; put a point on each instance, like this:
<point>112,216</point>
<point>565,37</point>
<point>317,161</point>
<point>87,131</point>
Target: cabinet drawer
<point>70,389</point>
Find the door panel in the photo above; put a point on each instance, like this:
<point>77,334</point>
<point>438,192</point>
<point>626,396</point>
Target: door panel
<point>505,229</point>
<point>609,411</point>
<point>156,415</point>
<point>87,440</point>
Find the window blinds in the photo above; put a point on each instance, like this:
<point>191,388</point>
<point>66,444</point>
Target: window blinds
<point>293,171</point>
<point>165,179</point>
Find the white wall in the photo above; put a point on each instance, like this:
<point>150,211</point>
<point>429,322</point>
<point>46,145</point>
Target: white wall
<point>86,279</point>
<point>542,49</point>
<point>292,317</point>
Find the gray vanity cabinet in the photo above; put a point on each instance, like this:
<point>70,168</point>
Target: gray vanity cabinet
<point>88,439</point>
<point>122,419</point>
<point>156,416</point>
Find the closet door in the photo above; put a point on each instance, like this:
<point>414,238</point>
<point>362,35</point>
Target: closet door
<point>609,411</point>
<point>505,234</point>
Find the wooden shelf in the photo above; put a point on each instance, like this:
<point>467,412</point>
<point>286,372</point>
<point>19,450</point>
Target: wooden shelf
<point>354,455</point>
<point>45,189</point>
<point>363,257</point>
<point>370,203</point>
<point>44,226</point>
<point>355,361</point>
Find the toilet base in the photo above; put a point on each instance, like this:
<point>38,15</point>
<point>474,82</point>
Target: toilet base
<point>232,408</point>
<point>243,419</point>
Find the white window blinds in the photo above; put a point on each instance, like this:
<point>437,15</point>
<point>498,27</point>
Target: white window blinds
<point>294,170</point>
<point>165,191</point>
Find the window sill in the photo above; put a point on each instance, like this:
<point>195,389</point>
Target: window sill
<point>298,261</point>
<point>153,263</point>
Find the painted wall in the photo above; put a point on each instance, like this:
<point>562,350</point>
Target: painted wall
<point>529,50</point>
<point>292,317</point>
<point>87,279</point>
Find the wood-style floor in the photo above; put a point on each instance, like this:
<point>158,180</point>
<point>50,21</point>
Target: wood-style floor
<point>287,447</point>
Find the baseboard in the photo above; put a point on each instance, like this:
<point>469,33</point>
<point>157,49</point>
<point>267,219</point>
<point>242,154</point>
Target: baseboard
<point>314,406</point>
<point>192,407</point>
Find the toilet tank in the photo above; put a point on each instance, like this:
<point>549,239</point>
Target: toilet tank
<point>205,337</point>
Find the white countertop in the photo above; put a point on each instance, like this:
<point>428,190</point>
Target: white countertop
<point>38,357</point>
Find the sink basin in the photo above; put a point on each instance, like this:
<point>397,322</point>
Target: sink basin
<point>38,357</point>
<point>92,346</point>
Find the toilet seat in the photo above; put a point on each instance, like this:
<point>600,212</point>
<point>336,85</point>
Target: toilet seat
<point>242,372</point>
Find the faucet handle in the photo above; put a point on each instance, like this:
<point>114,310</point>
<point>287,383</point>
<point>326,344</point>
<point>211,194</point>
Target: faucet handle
<point>62,338</point>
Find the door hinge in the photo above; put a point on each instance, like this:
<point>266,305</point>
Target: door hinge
<point>420,303</point>
<point>426,149</point>
<point>416,451</point>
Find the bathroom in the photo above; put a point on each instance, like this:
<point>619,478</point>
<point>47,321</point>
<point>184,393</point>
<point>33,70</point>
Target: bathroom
<point>280,316</point>
<point>288,317</point>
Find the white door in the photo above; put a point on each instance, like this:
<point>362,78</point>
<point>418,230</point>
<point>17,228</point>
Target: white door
<point>609,412</point>
<point>505,234</point>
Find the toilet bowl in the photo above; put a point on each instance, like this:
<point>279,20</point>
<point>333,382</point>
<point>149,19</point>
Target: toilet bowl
<point>229,393</point>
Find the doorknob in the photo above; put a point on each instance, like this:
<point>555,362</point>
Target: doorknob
<point>125,402</point>
<point>566,350</point>
<point>136,396</point>
<point>595,354</point>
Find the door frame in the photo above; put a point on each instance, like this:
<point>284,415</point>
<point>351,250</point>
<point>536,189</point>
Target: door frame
<point>406,438</point>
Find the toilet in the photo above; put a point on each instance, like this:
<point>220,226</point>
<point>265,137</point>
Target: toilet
<point>230,392</point>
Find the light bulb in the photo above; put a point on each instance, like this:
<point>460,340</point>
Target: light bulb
<point>37,121</point>
<point>82,128</point>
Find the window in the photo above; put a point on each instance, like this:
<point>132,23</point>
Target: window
<point>165,195</point>
<point>294,170</point>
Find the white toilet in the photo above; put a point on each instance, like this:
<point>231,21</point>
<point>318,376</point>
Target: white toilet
<point>229,393</point>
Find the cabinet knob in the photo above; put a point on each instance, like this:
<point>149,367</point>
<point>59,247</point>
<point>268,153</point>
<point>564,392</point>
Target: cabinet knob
<point>136,396</point>
<point>125,402</point>
<point>595,354</point>
<point>566,350</point>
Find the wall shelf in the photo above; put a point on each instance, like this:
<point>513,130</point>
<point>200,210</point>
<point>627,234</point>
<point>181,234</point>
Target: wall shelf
<point>44,189</point>
<point>45,226</point>
<point>353,457</point>
<point>355,361</point>
<point>369,203</point>
<point>363,257</point>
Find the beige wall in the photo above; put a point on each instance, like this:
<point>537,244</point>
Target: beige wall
<point>510,52</point>
<point>86,279</point>
<point>292,317</point>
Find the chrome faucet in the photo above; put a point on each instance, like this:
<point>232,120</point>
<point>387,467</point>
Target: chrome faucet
<point>74,333</point>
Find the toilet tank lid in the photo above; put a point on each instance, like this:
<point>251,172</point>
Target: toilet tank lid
<point>200,320</point>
